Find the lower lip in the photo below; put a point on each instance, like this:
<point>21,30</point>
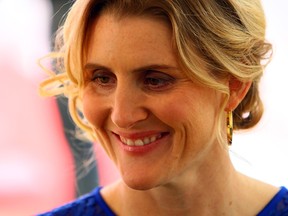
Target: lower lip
<point>145,148</point>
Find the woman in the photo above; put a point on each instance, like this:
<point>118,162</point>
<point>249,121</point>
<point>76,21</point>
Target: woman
<point>157,83</point>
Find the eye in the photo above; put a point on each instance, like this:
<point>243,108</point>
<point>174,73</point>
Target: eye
<point>104,79</point>
<point>158,80</point>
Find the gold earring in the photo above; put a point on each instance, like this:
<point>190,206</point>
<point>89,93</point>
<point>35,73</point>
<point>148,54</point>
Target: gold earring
<point>229,127</point>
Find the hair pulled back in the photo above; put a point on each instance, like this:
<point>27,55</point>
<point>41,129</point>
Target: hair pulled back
<point>214,41</point>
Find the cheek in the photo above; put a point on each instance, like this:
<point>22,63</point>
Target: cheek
<point>185,109</point>
<point>192,117</point>
<point>96,112</point>
<point>93,110</point>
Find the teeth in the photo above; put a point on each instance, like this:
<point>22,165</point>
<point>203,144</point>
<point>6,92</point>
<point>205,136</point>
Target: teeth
<point>146,140</point>
<point>130,142</point>
<point>152,139</point>
<point>122,139</point>
<point>140,142</point>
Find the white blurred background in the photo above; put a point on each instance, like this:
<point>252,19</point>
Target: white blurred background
<point>263,151</point>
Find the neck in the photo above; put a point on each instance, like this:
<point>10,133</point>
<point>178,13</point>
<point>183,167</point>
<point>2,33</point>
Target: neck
<point>210,184</point>
<point>213,188</point>
<point>194,194</point>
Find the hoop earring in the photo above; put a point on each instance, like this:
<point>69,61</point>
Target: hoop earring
<point>229,127</point>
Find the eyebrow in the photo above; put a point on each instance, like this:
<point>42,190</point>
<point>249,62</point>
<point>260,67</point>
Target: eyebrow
<point>92,66</point>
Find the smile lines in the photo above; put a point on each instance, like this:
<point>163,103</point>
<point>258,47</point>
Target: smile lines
<point>140,142</point>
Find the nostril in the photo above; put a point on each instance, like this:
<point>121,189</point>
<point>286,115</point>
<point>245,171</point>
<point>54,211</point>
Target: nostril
<point>129,117</point>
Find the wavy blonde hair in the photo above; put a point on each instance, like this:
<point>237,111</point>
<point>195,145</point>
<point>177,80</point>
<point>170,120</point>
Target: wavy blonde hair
<point>227,37</point>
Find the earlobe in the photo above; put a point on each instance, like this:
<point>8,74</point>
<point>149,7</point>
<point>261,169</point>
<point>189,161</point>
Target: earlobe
<point>238,90</point>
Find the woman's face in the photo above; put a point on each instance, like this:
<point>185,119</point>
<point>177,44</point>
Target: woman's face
<point>155,123</point>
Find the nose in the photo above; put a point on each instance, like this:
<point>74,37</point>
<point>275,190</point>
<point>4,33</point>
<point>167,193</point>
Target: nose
<point>128,107</point>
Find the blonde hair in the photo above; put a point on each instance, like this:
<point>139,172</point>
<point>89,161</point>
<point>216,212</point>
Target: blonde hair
<point>214,40</point>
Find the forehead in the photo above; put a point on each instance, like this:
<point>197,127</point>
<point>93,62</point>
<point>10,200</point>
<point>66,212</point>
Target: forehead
<point>138,27</point>
<point>135,37</point>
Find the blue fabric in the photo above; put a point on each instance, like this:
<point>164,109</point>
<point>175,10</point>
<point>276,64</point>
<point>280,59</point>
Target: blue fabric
<point>278,206</point>
<point>91,204</point>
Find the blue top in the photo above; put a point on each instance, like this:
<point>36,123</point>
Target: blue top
<point>278,206</point>
<point>93,204</point>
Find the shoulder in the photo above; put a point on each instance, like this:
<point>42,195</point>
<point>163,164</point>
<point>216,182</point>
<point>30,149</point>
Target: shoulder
<point>278,205</point>
<point>88,205</point>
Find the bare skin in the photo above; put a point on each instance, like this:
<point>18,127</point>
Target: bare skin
<point>237,195</point>
<point>184,170</point>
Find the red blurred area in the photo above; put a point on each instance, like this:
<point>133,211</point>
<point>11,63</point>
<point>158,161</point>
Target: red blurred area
<point>35,159</point>
<point>36,164</point>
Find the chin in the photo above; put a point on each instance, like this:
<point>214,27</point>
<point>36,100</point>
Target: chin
<point>142,183</point>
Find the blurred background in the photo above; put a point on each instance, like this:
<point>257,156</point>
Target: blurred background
<point>262,152</point>
<point>43,165</point>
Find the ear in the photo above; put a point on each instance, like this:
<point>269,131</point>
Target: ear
<point>238,90</point>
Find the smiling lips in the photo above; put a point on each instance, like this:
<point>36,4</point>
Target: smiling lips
<point>140,141</point>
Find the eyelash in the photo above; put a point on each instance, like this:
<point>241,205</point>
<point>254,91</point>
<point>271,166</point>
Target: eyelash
<point>158,81</point>
<point>151,80</point>
<point>100,79</point>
